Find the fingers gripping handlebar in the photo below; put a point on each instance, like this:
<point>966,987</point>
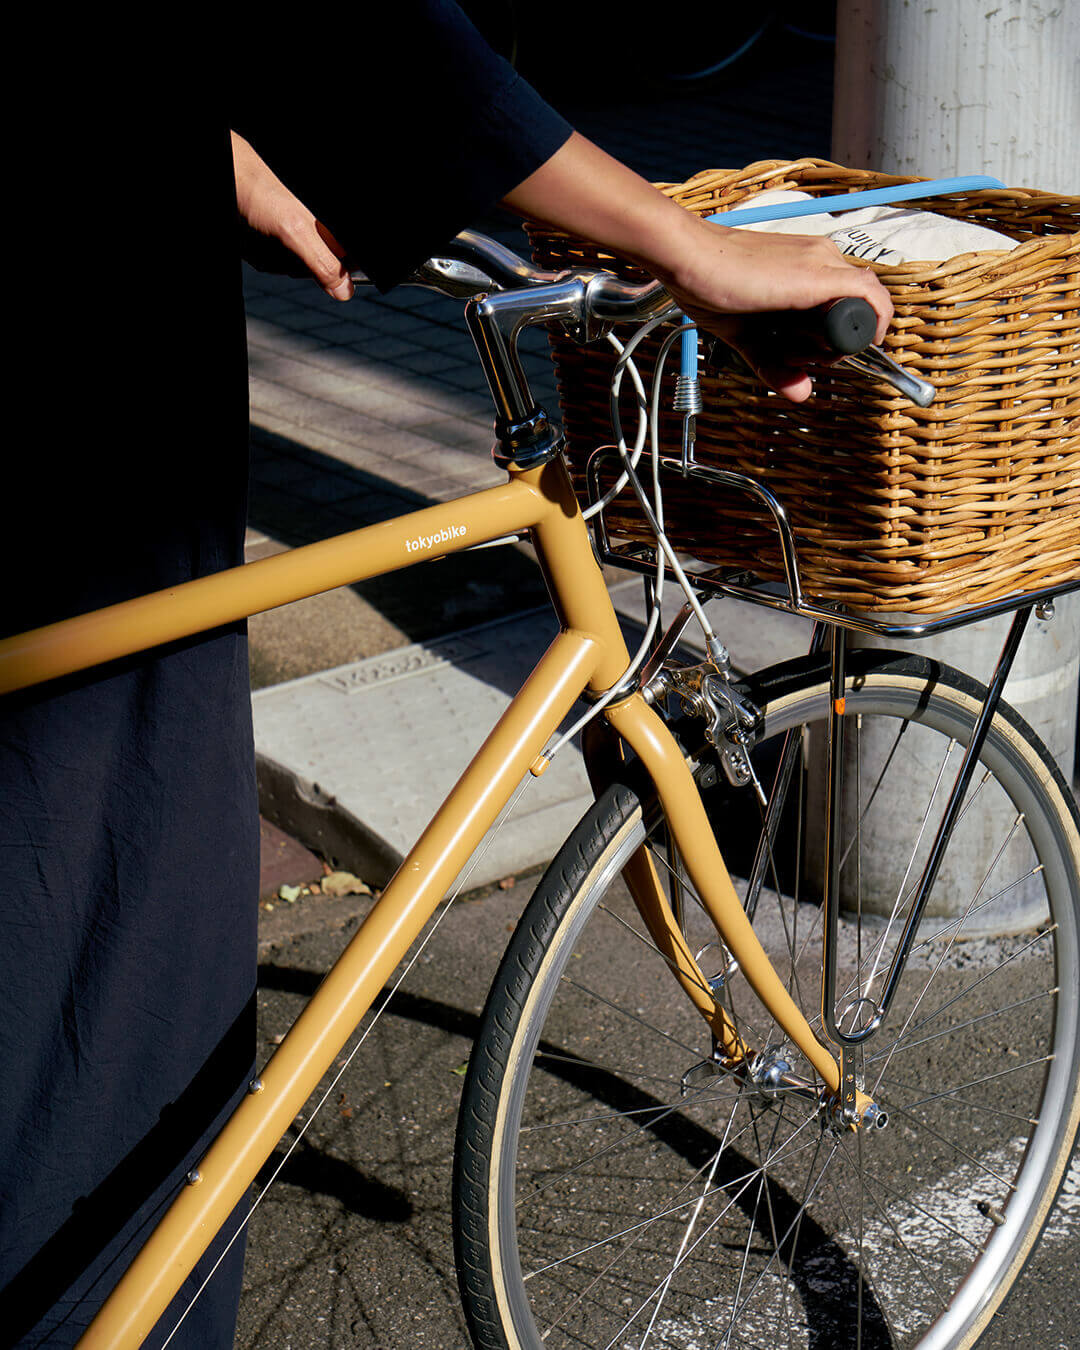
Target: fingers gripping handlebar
<point>844,330</point>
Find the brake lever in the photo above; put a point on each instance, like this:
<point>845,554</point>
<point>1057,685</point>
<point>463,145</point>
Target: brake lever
<point>459,280</point>
<point>871,361</point>
<point>875,363</point>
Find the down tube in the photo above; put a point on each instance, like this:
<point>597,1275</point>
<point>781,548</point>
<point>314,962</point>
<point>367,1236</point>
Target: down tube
<point>345,995</point>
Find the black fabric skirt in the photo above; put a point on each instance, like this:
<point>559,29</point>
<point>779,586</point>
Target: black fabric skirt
<point>128,880</point>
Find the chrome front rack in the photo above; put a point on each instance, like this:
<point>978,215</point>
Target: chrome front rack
<point>790,596</point>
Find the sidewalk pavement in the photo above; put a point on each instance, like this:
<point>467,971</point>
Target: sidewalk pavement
<point>364,410</point>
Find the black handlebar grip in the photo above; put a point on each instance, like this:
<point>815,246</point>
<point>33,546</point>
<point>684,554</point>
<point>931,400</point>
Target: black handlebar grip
<point>841,328</point>
<point>848,325</point>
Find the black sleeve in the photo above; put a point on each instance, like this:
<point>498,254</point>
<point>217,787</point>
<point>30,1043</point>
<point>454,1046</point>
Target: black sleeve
<point>404,143</point>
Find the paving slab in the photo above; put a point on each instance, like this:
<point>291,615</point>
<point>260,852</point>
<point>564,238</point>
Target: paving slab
<point>354,761</point>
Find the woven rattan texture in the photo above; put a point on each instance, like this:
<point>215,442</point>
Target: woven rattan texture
<point>894,508</point>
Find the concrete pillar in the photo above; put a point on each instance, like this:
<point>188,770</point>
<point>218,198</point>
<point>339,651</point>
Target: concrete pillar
<point>960,86</point>
<point>935,89</point>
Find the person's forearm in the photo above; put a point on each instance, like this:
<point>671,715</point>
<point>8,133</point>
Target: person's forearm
<point>586,192</point>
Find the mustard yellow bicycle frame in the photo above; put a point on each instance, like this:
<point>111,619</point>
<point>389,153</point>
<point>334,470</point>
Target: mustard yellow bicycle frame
<point>588,654</point>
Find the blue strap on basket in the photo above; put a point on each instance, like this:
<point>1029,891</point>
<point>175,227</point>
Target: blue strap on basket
<point>840,201</point>
<point>849,201</point>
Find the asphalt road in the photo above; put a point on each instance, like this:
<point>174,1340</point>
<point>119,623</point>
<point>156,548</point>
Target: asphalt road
<point>353,1244</point>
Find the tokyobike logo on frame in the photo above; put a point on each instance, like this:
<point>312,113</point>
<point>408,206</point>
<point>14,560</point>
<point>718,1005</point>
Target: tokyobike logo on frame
<point>430,540</point>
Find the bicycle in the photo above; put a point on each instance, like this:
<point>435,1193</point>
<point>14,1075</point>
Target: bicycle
<point>758,1021</point>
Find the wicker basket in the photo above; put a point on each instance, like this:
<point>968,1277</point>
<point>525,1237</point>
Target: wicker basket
<point>894,508</point>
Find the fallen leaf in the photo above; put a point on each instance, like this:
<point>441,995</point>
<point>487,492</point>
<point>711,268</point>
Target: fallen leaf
<point>344,883</point>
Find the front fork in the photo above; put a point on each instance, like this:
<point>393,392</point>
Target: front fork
<point>653,744</point>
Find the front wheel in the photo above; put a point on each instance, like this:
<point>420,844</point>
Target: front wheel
<point>614,1190</point>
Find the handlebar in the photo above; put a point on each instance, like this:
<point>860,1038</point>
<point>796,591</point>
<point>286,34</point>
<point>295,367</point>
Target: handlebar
<point>473,265</point>
<point>506,294</point>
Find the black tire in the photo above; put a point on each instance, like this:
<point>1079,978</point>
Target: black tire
<point>583,1167</point>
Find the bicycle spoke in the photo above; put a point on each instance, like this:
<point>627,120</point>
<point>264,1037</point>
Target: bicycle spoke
<point>738,1185</point>
<point>901,901</point>
<point>662,1113</point>
<point>956,1028</point>
<point>964,993</point>
<point>905,1247</point>
<point>776,1249</point>
<point>605,1272</point>
<point>921,1124</point>
<point>955,924</point>
<point>648,942</point>
<point>976,1082</point>
<point>687,1234</point>
<point>628,1072</point>
<point>949,946</point>
<point>633,1017</point>
<point>801,1210</point>
<point>935,1219</point>
<point>859,1226</point>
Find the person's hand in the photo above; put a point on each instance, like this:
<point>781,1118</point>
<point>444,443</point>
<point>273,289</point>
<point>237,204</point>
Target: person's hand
<point>732,273</point>
<point>715,274</point>
<point>278,217</point>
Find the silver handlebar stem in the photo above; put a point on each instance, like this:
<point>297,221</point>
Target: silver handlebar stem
<point>525,437</point>
<point>496,322</point>
<point>585,303</point>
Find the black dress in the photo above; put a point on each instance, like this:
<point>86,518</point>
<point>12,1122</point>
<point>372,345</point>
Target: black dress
<point>128,812</point>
